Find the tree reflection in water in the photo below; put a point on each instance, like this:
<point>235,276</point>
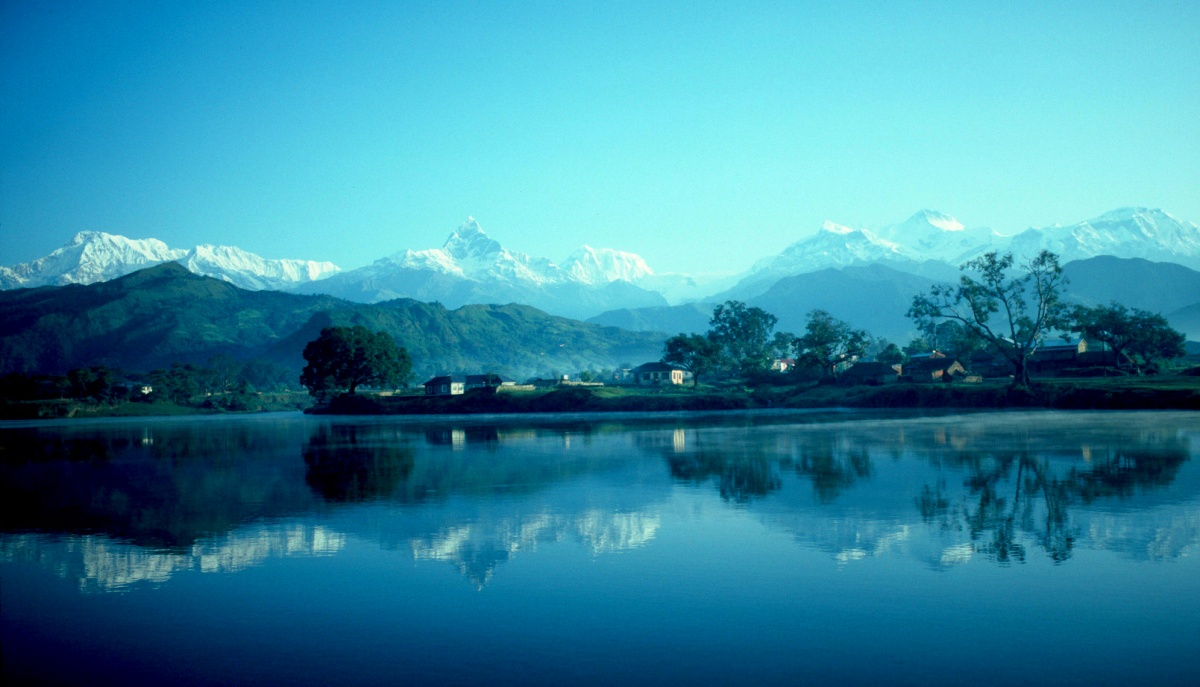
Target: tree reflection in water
<point>1019,489</point>
<point>341,466</point>
<point>1042,494</point>
<point>830,463</point>
<point>740,476</point>
<point>752,468</point>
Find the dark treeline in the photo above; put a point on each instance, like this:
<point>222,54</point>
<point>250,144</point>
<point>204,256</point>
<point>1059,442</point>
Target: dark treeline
<point>223,383</point>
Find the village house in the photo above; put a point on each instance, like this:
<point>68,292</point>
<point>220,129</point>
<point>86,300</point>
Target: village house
<point>453,385</point>
<point>488,381</point>
<point>653,374</point>
<point>930,369</point>
<point>446,385</point>
<point>783,364</point>
<point>871,373</point>
<point>1052,357</point>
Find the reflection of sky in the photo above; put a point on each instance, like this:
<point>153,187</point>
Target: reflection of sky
<point>101,564</point>
<point>679,553</point>
<point>486,497</point>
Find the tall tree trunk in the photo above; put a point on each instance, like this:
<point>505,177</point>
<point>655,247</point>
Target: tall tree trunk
<point>1021,372</point>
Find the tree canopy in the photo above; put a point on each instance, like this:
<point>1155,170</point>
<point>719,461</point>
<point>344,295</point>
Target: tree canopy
<point>1010,313</point>
<point>695,353</point>
<point>1136,336</point>
<point>743,336</point>
<point>345,358</point>
<point>828,341</point>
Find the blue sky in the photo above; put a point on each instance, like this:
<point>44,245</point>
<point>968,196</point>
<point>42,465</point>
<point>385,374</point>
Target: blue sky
<point>700,135</point>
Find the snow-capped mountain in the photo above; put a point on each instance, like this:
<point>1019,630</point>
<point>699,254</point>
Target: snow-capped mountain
<point>602,265</point>
<point>909,246</point>
<point>1147,233</point>
<point>89,257</point>
<point>469,253</point>
<point>251,271</point>
<point>471,267</point>
<point>932,244</point>
<point>95,256</point>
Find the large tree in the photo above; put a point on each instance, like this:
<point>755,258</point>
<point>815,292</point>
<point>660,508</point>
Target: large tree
<point>695,353</point>
<point>345,358</point>
<point>1137,336</point>
<point>744,337</point>
<point>828,341</point>
<point>1010,313</point>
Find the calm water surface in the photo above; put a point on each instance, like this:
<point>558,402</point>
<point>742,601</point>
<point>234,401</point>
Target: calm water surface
<point>821,548</point>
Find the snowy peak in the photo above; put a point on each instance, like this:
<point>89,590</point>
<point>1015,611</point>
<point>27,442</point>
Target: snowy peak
<point>89,257</point>
<point>837,229</point>
<point>603,265</point>
<point>929,240</point>
<point>935,219</point>
<point>95,256</point>
<point>926,228</point>
<point>250,271</point>
<point>469,253</point>
<point>469,242</point>
<point>1146,233</point>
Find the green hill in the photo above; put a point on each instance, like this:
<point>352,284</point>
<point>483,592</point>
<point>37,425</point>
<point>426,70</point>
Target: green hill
<point>165,314</point>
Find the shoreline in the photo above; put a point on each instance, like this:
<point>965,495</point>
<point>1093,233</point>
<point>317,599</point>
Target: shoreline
<point>1058,395</point>
<point>1161,393</point>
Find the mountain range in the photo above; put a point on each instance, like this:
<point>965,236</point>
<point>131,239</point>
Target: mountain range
<point>875,297</point>
<point>472,267</point>
<point>165,314</point>
<point>1143,258</point>
<point>94,256</point>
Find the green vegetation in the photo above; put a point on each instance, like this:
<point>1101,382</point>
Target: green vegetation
<point>344,358</point>
<point>695,353</point>
<point>1141,338</point>
<point>164,315</point>
<point>1175,392</point>
<point>743,336</point>
<point>1011,314</point>
<point>738,342</point>
<point>223,385</point>
<point>829,342</point>
<point>165,341</point>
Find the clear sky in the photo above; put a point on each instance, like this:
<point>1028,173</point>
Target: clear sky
<point>700,135</point>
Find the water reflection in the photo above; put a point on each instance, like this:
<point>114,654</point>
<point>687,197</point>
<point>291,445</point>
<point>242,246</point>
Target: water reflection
<point>478,548</point>
<point>119,504</point>
<point>159,486</point>
<point>1043,492</point>
<point>102,564</point>
<point>343,467</point>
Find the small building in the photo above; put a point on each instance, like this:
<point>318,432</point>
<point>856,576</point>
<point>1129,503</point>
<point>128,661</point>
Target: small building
<point>927,370</point>
<point>871,373</point>
<point>446,385</point>
<point>783,364</point>
<point>488,381</point>
<point>654,374</point>
<point>1056,356</point>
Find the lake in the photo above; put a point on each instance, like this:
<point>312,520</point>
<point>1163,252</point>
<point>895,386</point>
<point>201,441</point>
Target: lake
<point>835,547</point>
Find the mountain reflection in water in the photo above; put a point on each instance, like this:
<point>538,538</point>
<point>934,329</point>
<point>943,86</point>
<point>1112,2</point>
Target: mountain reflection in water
<point>116,504</point>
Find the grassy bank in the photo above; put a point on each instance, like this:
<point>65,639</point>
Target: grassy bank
<point>1182,393</point>
<point>73,408</point>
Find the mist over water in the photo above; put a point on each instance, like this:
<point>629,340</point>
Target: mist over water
<point>763,547</point>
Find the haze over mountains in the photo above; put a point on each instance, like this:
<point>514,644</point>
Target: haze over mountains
<point>866,276</point>
<point>165,314</point>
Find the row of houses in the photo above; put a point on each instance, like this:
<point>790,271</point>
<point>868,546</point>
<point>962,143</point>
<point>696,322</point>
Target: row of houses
<point>1050,359</point>
<point>649,374</point>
